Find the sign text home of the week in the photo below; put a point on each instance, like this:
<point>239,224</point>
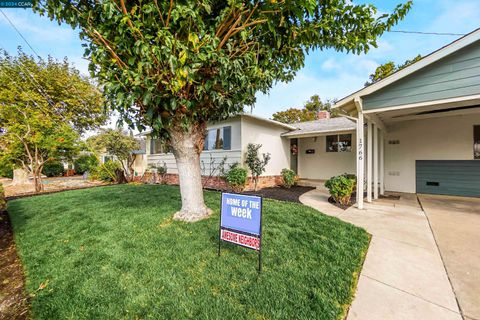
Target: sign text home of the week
<point>241,220</point>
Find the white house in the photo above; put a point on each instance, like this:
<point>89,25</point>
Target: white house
<point>416,131</point>
<point>229,139</point>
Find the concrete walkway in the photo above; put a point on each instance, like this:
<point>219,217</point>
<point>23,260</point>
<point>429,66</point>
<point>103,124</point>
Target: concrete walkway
<point>455,222</point>
<point>403,276</point>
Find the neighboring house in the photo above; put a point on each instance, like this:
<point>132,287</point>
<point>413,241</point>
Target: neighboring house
<point>140,162</point>
<point>422,123</point>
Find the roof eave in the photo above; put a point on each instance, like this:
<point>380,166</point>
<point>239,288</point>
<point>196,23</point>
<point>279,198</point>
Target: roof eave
<point>425,61</point>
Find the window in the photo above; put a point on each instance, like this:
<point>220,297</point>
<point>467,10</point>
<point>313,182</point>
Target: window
<point>107,158</point>
<point>218,139</point>
<point>158,146</point>
<point>339,143</point>
<point>476,142</point>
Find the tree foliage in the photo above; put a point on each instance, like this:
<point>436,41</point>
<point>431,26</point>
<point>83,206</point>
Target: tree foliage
<point>175,65</point>
<point>44,106</point>
<point>188,62</point>
<point>389,68</point>
<point>307,113</point>
<point>117,143</point>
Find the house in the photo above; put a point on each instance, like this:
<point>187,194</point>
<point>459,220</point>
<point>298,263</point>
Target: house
<point>225,144</point>
<point>418,130</point>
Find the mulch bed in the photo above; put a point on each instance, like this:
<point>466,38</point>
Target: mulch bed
<point>13,299</point>
<point>279,193</point>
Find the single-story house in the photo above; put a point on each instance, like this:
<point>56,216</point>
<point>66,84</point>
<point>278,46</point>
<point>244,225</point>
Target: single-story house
<point>226,143</point>
<point>416,131</point>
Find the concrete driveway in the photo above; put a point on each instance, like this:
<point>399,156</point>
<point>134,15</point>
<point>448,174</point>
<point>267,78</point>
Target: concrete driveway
<point>455,222</point>
<point>403,276</point>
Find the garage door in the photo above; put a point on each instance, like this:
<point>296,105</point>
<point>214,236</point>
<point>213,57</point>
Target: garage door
<point>449,177</point>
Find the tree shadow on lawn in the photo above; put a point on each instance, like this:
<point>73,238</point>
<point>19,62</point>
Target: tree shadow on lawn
<point>115,252</point>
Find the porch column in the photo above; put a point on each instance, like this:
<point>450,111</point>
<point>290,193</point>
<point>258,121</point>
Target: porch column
<point>382,162</point>
<point>369,160</point>
<point>375,161</point>
<point>360,160</point>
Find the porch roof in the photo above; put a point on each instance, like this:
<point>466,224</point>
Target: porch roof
<point>321,126</point>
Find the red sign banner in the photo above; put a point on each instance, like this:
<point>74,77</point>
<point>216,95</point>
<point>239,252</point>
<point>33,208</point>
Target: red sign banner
<point>241,239</point>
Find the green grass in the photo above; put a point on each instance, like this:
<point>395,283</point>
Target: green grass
<point>114,253</point>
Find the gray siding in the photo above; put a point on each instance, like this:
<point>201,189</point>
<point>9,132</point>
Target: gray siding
<point>453,76</point>
<point>449,177</point>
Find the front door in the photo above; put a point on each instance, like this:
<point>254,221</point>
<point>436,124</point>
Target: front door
<point>294,155</point>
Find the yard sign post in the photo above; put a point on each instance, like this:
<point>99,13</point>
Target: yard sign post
<point>241,222</point>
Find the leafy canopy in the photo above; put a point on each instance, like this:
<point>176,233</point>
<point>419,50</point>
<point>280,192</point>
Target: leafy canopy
<point>115,142</point>
<point>389,68</point>
<point>307,113</point>
<point>166,64</point>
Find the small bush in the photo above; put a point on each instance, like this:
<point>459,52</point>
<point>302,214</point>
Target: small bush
<point>53,169</point>
<point>6,169</point>
<point>3,202</point>
<point>341,188</point>
<point>84,163</point>
<point>289,178</point>
<point>106,171</point>
<point>236,178</point>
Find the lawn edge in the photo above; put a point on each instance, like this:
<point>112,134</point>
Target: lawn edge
<point>356,278</point>
<point>15,302</point>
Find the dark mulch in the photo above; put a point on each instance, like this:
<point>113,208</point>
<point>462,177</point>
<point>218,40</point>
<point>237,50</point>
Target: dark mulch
<point>13,299</point>
<point>279,193</point>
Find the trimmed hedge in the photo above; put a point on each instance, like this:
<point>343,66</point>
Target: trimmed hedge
<point>53,169</point>
<point>85,163</point>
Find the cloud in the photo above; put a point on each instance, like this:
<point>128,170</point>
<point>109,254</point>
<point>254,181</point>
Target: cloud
<point>39,29</point>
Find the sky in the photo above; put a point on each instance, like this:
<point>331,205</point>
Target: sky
<point>328,73</point>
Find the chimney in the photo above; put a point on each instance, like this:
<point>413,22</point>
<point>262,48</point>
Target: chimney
<point>323,114</point>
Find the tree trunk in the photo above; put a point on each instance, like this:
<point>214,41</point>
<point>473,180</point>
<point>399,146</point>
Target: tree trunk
<point>187,146</point>
<point>37,179</point>
<point>20,177</point>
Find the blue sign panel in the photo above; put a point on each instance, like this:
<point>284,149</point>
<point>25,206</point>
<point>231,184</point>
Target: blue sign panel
<point>241,213</point>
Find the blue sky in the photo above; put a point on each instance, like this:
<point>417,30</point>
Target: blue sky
<point>327,73</point>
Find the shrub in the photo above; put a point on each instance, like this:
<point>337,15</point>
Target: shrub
<point>341,188</point>
<point>6,169</point>
<point>84,163</point>
<point>288,177</point>
<point>53,168</point>
<point>3,202</point>
<point>236,178</point>
<point>106,171</point>
<point>256,165</point>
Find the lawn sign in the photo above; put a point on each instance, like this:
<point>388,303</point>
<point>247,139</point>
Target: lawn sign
<point>241,222</point>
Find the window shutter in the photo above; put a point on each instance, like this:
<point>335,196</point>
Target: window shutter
<point>205,144</point>
<point>227,138</point>
<point>152,146</point>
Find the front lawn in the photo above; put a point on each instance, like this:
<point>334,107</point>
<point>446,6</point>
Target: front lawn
<point>114,252</point>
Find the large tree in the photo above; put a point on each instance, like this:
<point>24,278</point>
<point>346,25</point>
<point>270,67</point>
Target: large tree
<point>388,68</point>
<point>309,111</point>
<point>32,138</point>
<point>44,106</point>
<point>174,65</point>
